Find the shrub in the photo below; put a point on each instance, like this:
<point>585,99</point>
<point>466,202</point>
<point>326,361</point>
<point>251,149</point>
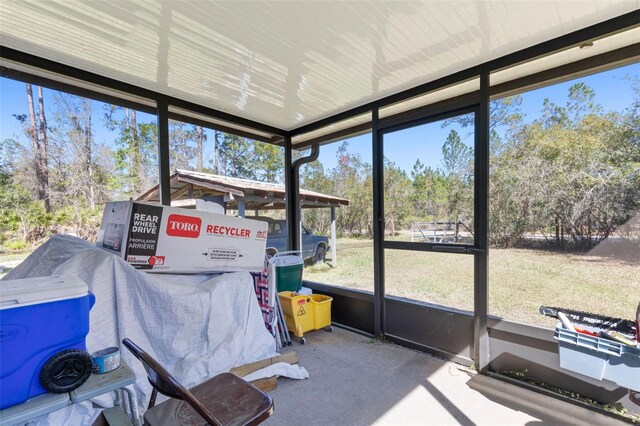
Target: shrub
<point>15,245</point>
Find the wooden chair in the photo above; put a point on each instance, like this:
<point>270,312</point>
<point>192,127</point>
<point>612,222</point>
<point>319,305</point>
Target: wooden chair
<point>225,399</point>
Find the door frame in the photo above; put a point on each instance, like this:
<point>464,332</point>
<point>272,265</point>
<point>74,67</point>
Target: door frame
<point>474,330</point>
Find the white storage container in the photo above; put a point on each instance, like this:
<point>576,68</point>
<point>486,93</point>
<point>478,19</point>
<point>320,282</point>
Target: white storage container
<point>599,358</point>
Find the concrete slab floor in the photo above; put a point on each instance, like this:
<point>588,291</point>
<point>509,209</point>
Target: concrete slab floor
<point>355,380</point>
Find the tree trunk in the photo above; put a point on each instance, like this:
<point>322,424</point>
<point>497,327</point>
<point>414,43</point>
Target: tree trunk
<point>33,127</point>
<point>127,132</point>
<point>137,160</point>
<point>43,149</point>
<point>39,146</point>
<point>200,140</point>
<point>216,165</point>
<point>88,161</point>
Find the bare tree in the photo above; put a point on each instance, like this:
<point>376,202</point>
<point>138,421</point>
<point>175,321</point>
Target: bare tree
<point>136,150</point>
<point>39,143</point>
<point>74,131</point>
<point>216,158</point>
<point>200,139</point>
<point>181,140</point>
<point>137,156</point>
<point>88,160</point>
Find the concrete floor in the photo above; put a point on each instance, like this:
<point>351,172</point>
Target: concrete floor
<point>355,380</point>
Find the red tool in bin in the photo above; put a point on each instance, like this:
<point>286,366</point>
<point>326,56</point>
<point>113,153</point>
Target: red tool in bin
<point>621,325</point>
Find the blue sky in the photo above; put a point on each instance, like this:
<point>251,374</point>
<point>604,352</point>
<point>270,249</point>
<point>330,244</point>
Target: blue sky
<point>424,142</point>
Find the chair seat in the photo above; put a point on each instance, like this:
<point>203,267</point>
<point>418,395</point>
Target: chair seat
<point>232,401</point>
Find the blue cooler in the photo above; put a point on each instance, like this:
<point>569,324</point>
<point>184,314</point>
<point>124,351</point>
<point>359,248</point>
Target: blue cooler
<point>41,318</point>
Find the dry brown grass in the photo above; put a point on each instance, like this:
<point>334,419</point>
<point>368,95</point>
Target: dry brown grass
<point>520,280</point>
<point>10,261</point>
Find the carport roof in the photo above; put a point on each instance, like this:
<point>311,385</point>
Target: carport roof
<point>288,64</point>
<point>187,185</point>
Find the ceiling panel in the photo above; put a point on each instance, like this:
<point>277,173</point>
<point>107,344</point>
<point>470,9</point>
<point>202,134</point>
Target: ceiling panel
<point>597,47</point>
<point>286,64</point>
<point>346,128</point>
<point>430,98</point>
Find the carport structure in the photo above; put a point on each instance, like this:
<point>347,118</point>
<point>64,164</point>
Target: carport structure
<point>301,74</point>
<point>187,187</point>
<point>237,194</point>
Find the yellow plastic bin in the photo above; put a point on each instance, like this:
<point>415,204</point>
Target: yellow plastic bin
<point>321,307</point>
<point>304,313</point>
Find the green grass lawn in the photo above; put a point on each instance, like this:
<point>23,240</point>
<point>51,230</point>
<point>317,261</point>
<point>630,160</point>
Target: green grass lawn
<point>520,280</point>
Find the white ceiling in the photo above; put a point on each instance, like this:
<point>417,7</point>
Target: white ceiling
<point>287,63</point>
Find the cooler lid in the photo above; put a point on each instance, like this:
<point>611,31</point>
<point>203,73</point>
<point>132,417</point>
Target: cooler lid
<point>29,291</point>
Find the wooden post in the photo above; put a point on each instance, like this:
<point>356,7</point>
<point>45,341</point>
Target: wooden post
<point>241,212</point>
<point>334,256</point>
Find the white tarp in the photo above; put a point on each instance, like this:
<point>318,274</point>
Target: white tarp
<point>196,326</point>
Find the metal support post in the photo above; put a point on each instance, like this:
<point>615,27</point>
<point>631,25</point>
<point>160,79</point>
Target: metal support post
<point>378,227</point>
<point>481,217</point>
<point>291,188</point>
<point>163,151</point>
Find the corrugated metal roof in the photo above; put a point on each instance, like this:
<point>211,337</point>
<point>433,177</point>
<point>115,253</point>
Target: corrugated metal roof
<point>187,184</point>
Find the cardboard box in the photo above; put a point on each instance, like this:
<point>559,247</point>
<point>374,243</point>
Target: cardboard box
<point>174,240</point>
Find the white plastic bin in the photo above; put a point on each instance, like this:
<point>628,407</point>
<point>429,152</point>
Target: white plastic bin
<point>599,358</point>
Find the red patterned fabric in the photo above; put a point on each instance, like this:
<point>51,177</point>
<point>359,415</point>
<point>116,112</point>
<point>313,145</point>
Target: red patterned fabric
<point>261,287</point>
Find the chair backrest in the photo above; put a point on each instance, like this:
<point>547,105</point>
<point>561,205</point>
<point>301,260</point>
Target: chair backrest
<point>165,383</point>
